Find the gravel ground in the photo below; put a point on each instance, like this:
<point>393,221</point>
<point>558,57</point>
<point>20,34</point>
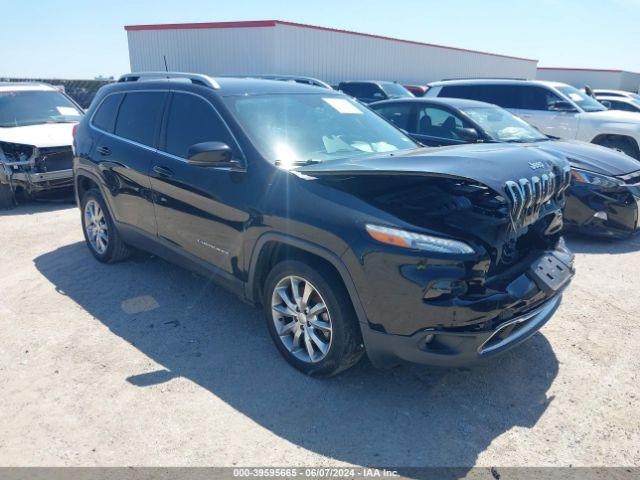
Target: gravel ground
<point>144,363</point>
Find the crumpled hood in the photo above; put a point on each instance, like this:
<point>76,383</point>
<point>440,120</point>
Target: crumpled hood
<point>490,164</point>
<point>594,158</point>
<point>43,135</point>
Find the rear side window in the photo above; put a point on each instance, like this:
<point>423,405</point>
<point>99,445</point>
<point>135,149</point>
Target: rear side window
<point>398,114</point>
<point>138,116</point>
<point>363,90</point>
<point>526,97</point>
<point>505,96</point>
<point>192,120</point>
<point>105,117</point>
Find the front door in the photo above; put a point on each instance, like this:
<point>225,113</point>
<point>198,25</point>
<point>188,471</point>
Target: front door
<point>436,127</point>
<point>198,208</point>
<point>536,107</point>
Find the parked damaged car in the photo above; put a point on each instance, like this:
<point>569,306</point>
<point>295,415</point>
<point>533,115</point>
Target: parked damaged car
<point>350,236</point>
<point>604,196</point>
<point>36,122</point>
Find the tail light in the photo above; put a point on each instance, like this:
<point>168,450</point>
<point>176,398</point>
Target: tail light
<point>74,130</point>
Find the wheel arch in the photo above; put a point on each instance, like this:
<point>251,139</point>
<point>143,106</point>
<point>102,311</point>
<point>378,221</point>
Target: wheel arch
<point>604,138</point>
<point>274,247</point>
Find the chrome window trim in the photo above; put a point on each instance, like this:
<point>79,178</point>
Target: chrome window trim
<point>147,147</point>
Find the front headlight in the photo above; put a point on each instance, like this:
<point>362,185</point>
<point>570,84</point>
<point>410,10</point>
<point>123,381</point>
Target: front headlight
<point>418,241</point>
<point>584,177</point>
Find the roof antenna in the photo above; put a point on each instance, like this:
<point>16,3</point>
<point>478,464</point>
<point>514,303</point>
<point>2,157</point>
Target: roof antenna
<point>164,57</point>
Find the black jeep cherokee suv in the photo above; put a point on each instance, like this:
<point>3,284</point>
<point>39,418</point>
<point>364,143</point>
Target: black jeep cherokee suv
<point>350,236</point>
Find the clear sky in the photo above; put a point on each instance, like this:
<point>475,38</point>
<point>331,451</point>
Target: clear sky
<point>83,39</point>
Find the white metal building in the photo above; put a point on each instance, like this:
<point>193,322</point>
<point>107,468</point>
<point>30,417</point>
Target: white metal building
<point>286,48</point>
<point>579,77</point>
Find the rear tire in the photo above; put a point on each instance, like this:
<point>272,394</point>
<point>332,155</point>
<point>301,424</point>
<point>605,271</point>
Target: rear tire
<point>7,198</point>
<point>100,232</point>
<point>317,341</point>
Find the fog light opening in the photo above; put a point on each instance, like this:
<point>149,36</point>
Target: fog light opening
<point>601,216</point>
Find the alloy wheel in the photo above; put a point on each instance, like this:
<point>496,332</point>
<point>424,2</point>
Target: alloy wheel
<point>301,318</point>
<point>95,225</point>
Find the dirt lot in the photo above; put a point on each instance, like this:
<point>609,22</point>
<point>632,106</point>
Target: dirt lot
<point>143,363</point>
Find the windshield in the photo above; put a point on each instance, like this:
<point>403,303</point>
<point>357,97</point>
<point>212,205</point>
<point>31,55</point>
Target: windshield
<point>31,107</point>
<point>584,101</point>
<point>394,90</point>
<point>305,128</point>
<point>503,126</point>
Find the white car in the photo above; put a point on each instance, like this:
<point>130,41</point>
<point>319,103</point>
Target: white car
<point>556,109</point>
<point>600,92</point>
<point>625,104</point>
<point>36,123</point>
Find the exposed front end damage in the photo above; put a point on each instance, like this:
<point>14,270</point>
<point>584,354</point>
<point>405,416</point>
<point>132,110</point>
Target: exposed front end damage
<point>454,309</point>
<point>606,210</point>
<point>30,171</point>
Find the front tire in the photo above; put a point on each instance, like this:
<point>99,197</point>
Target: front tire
<point>311,319</point>
<point>100,233</point>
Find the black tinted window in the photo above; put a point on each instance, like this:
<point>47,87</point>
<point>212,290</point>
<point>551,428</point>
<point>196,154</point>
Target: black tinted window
<point>536,98</point>
<point>192,120</point>
<point>105,117</point>
<point>138,116</point>
<point>622,106</point>
<point>528,97</point>
<point>363,90</point>
<point>398,113</point>
<point>505,96</point>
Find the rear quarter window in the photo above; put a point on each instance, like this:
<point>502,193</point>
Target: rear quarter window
<point>105,116</point>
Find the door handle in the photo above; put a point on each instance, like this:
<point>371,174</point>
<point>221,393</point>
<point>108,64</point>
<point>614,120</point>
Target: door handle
<point>104,151</point>
<point>163,171</point>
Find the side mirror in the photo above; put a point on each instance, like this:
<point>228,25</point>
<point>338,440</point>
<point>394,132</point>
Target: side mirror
<point>561,106</point>
<point>469,135</point>
<point>211,154</point>
<point>606,103</point>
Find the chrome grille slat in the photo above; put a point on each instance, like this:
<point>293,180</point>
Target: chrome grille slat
<point>527,196</point>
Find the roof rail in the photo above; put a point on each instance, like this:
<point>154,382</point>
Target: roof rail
<point>196,78</point>
<point>482,78</point>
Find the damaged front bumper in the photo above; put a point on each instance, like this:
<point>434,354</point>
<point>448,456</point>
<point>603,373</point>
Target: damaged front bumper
<point>39,171</point>
<point>457,348</point>
<point>605,212</point>
<point>464,329</point>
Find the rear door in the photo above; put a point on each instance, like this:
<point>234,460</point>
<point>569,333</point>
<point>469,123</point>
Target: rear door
<point>198,207</point>
<point>125,152</point>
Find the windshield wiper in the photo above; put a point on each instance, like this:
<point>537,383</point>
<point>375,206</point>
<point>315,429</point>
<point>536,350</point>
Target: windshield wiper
<point>297,163</point>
